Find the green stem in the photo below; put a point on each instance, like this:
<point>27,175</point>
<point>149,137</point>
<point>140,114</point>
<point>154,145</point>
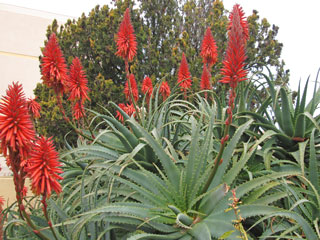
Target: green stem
<point>222,146</point>
<point>30,223</point>
<point>216,161</point>
<point>18,179</point>
<point>88,124</point>
<point>78,131</point>
<point>46,215</point>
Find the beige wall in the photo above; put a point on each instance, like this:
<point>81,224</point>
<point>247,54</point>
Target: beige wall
<point>23,32</point>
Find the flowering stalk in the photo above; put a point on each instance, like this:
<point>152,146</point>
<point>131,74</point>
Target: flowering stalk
<point>45,212</point>
<point>16,135</point>
<point>209,49</point>
<point>239,219</point>
<point>43,169</point>
<point>127,49</point>
<point>233,72</point>
<point>147,88</point>
<point>205,83</point>
<point>184,76</point>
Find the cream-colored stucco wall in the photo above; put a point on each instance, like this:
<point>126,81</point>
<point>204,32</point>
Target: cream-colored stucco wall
<point>22,34</point>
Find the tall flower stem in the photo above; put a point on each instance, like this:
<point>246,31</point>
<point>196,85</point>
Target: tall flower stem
<point>45,212</point>
<point>78,131</point>
<point>130,89</point>
<point>87,122</point>
<point>224,139</point>
<point>18,179</point>
<point>69,121</point>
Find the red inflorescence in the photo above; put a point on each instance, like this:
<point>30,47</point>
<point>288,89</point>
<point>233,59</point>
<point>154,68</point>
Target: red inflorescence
<point>126,39</point>
<point>119,115</point>
<point>165,90</point>
<point>147,87</point>
<point>134,89</point>
<point>184,76</point>
<point>16,128</point>
<point>209,49</point>
<point>78,110</point>
<point>43,168</point>
<point>130,110</point>
<point>34,107</point>
<point>243,21</point>
<point>53,68</point>
<point>77,82</point>
<point>205,83</point>
<point>233,65</point>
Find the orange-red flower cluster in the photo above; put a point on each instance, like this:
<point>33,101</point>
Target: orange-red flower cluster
<point>205,83</point>
<point>134,89</point>
<point>233,64</point>
<point>126,39</point>
<point>53,68</point>
<point>243,21</point>
<point>128,109</point>
<point>184,76</point>
<point>34,107</point>
<point>77,86</point>
<point>147,87</point>
<point>43,168</point>
<point>16,128</point>
<point>78,110</point>
<point>209,49</point>
<point>165,90</point>
<point>77,82</point>
<point>119,115</point>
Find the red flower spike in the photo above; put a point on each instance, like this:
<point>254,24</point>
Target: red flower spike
<point>209,49</point>
<point>130,110</point>
<point>126,39</point>
<point>53,67</point>
<point>77,82</point>
<point>165,90</point>
<point>34,107</point>
<point>119,115</point>
<point>205,83</point>
<point>147,87</point>
<point>78,110</point>
<point>43,168</point>
<point>233,64</point>
<point>243,21</point>
<point>16,128</point>
<point>184,76</point>
<point>134,89</point>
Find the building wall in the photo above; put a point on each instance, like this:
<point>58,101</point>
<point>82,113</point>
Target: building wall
<point>23,32</point>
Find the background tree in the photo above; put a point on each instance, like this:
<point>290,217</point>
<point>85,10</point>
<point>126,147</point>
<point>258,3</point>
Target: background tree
<point>164,29</point>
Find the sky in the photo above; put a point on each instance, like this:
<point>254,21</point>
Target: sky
<point>298,23</point>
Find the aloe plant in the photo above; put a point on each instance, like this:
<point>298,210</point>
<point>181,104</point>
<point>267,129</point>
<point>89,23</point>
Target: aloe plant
<point>168,204</point>
<point>293,122</point>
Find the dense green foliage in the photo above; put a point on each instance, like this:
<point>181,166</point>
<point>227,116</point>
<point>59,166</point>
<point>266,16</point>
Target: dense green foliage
<point>143,179</point>
<point>164,30</point>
